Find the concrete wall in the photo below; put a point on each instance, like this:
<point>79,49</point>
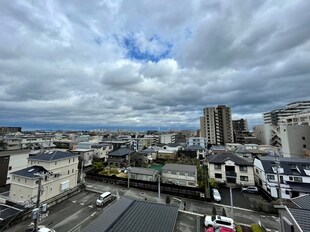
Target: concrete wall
<point>294,140</point>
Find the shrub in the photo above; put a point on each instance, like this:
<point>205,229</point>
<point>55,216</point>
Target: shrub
<point>238,228</point>
<point>256,228</point>
<point>213,183</point>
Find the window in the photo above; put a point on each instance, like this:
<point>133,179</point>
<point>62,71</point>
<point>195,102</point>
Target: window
<point>10,168</point>
<point>306,166</point>
<point>290,178</point>
<point>271,177</point>
<point>56,163</point>
<point>218,175</point>
<point>243,168</point>
<point>244,178</point>
<point>18,180</point>
<point>8,178</point>
<point>72,170</point>
<point>303,138</point>
<point>68,172</point>
<point>256,170</point>
<point>69,160</point>
<point>304,146</point>
<point>217,166</point>
<point>25,180</point>
<point>298,179</point>
<point>6,159</point>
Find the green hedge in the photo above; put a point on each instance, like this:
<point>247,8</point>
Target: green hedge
<point>238,228</point>
<point>256,228</point>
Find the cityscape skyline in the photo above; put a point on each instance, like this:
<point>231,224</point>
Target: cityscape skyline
<point>107,64</point>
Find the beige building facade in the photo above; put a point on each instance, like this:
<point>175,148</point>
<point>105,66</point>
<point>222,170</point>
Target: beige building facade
<point>58,172</point>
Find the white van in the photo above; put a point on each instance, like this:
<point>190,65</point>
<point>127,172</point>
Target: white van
<point>103,198</point>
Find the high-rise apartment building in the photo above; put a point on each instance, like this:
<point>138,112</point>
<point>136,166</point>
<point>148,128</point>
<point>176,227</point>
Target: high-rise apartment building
<point>240,125</point>
<point>216,125</point>
<point>274,116</point>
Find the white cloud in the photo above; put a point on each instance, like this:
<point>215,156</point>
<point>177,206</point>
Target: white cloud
<point>67,64</point>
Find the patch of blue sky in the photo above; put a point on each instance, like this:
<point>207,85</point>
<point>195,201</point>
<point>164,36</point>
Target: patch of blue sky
<point>133,51</point>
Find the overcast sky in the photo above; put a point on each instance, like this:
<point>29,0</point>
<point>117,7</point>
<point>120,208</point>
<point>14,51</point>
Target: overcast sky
<point>93,64</point>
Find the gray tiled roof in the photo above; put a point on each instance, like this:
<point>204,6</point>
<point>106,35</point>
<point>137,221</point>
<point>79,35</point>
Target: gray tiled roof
<point>144,171</point>
<point>135,216</point>
<point>29,172</point>
<point>285,163</point>
<point>52,156</point>
<point>302,202</point>
<point>302,217</point>
<point>223,157</point>
<point>121,152</point>
<point>179,167</point>
<point>194,148</point>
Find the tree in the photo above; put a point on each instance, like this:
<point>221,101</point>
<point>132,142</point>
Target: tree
<point>224,212</point>
<point>97,166</point>
<point>214,213</point>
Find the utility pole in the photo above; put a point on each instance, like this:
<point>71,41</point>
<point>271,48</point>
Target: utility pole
<point>159,187</point>
<point>277,162</point>
<point>231,201</point>
<point>128,173</point>
<point>37,212</point>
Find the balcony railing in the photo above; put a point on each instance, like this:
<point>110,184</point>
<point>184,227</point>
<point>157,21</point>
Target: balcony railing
<point>231,174</point>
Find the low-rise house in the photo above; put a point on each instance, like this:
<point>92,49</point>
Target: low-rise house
<point>58,170</point>
<point>232,146</point>
<point>120,157</point>
<point>101,151</point>
<point>230,168</point>
<point>244,153</point>
<point>179,174</point>
<point>11,161</point>
<point>198,141</point>
<point>151,152</point>
<point>217,149</point>
<point>167,154</point>
<point>296,218</point>
<point>85,152</point>
<point>195,151</point>
<point>294,174</point>
<point>145,174</point>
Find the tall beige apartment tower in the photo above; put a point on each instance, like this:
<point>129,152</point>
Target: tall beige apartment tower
<point>216,125</point>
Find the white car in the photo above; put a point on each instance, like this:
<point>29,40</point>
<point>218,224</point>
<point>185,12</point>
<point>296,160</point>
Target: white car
<point>216,195</point>
<point>219,221</point>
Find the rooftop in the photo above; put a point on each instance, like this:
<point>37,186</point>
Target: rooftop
<point>223,157</point>
<point>135,216</point>
<point>52,156</point>
<point>121,152</point>
<point>180,167</point>
<point>302,217</point>
<point>302,202</point>
<point>144,171</point>
<point>30,171</point>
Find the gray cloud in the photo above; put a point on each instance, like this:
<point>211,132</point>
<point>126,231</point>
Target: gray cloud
<point>66,64</point>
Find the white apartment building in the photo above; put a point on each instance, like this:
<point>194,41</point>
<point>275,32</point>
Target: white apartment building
<point>86,153</point>
<point>294,174</point>
<point>199,141</point>
<point>302,118</point>
<point>230,168</point>
<point>179,174</point>
<point>59,171</point>
<point>167,138</point>
<point>18,160</point>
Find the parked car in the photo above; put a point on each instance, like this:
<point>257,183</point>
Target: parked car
<point>249,189</point>
<point>216,195</point>
<point>219,229</point>
<point>217,221</point>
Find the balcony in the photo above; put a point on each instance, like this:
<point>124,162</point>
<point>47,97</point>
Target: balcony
<point>231,174</point>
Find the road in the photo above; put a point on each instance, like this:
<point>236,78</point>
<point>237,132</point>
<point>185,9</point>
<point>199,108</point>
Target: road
<point>77,211</point>
<point>80,210</point>
<point>243,216</point>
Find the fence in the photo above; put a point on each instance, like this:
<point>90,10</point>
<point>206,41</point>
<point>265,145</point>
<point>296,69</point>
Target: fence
<point>183,191</point>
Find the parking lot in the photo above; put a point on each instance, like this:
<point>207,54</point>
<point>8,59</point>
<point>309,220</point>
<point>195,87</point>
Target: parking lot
<point>240,199</point>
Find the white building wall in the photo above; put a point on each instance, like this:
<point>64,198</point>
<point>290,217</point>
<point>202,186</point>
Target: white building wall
<point>294,140</point>
<point>17,162</point>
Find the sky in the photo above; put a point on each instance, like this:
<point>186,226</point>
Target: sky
<point>96,64</point>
